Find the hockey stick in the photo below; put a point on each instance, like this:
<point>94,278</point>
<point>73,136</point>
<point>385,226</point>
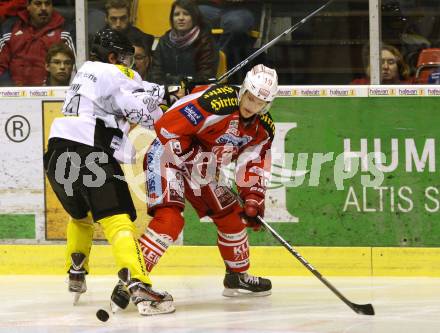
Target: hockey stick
<point>364,309</point>
<point>269,44</point>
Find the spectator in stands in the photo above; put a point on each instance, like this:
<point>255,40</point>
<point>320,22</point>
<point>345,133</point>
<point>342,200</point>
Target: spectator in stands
<point>394,68</point>
<point>187,50</point>
<point>26,39</point>
<point>142,57</point>
<point>118,16</point>
<point>236,20</point>
<point>59,65</point>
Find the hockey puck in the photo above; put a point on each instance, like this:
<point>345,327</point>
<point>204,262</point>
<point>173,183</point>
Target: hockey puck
<point>102,315</point>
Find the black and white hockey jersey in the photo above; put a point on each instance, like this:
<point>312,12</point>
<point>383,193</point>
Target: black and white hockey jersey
<point>100,104</point>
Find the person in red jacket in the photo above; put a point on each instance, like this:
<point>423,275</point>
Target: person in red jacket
<point>25,40</point>
<point>10,8</point>
<point>198,137</point>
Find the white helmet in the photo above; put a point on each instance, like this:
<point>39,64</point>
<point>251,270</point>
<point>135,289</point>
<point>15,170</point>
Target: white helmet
<point>262,82</point>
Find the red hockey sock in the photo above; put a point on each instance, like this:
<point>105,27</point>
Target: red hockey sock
<point>234,249</point>
<point>162,231</point>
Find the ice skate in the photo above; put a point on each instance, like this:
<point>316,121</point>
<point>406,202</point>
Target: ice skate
<point>77,276</point>
<point>244,284</point>
<point>148,301</point>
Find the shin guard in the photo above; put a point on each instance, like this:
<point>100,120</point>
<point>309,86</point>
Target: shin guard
<point>79,240</point>
<point>120,232</point>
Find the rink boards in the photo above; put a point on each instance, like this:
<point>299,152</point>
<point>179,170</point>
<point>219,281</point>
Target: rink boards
<point>319,196</point>
<point>265,260</point>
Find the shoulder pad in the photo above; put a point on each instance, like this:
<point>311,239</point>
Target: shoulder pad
<point>268,123</point>
<point>220,99</point>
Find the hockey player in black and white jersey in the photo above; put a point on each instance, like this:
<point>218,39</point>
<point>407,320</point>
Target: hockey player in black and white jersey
<point>83,159</point>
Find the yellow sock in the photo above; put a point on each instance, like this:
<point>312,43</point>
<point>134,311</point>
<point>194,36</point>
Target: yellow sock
<point>121,234</point>
<point>79,239</point>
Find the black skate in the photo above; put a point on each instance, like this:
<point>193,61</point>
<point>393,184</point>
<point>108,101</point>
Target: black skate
<point>243,284</point>
<point>77,276</point>
<point>120,297</point>
<point>148,301</point>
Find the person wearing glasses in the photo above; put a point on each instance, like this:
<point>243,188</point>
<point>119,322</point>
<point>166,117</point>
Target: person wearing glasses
<point>59,65</point>
<point>142,57</point>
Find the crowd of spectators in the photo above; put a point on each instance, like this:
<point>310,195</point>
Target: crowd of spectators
<point>25,40</point>
<point>37,44</point>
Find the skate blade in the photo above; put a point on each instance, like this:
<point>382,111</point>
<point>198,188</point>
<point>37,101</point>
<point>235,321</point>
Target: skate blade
<point>115,308</point>
<point>229,292</point>
<point>76,297</point>
<point>147,308</point>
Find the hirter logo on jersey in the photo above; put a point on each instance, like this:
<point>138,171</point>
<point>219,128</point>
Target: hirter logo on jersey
<point>220,100</point>
<point>192,114</point>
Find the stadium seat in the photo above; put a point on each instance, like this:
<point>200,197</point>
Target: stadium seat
<point>222,64</point>
<point>259,33</point>
<point>428,61</point>
<point>151,16</point>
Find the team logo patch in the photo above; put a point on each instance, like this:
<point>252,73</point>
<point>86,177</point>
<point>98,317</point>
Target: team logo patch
<point>192,114</point>
<point>233,128</point>
<point>168,135</point>
<point>236,141</point>
<point>224,196</point>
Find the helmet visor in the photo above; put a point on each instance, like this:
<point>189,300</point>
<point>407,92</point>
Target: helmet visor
<point>126,59</point>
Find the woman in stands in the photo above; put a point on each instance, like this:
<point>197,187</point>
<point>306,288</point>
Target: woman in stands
<point>188,49</point>
<point>394,68</point>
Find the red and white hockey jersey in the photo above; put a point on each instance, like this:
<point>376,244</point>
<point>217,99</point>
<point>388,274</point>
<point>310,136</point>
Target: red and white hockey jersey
<point>207,126</point>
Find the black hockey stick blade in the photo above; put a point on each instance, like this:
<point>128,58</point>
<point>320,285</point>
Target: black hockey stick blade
<point>363,309</point>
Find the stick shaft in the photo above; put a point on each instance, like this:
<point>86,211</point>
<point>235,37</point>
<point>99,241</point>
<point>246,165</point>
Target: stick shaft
<point>306,263</point>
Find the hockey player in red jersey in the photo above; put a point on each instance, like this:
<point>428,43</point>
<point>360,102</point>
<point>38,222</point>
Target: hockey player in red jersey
<point>197,137</point>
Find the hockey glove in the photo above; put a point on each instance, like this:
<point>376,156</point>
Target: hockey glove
<point>253,207</point>
<point>172,95</point>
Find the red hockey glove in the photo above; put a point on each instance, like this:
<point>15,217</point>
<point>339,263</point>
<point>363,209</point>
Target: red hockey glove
<point>253,206</point>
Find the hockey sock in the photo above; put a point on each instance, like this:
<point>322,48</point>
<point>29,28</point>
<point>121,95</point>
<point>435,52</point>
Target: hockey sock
<point>162,231</point>
<point>120,232</point>
<point>79,239</point>
<point>234,249</point>
<point>153,247</point>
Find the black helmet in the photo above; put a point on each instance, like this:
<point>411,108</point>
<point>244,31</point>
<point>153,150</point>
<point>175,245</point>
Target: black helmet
<point>108,40</point>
